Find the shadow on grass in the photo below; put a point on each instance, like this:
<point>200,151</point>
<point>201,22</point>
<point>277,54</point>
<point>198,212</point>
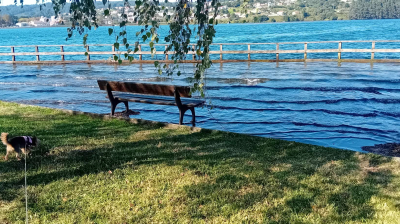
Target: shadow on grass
<point>289,178</point>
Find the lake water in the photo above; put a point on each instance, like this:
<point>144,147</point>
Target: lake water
<point>346,106</point>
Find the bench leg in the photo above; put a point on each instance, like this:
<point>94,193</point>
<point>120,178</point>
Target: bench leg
<point>113,106</point>
<point>193,116</point>
<point>126,106</point>
<point>115,103</point>
<point>181,114</point>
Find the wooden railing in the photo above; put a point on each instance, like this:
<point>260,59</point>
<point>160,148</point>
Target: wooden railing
<point>276,51</point>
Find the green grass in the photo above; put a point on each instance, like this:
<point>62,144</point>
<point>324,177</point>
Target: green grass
<point>90,170</point>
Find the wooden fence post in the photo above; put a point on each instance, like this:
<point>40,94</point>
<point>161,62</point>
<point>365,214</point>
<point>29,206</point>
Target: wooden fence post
<point>277,54</point>
<point>166,53</point>
<point>373,51</point>
<point>140,55</point>
<point>12,51</point>
<point>87,50</point>
<point>113,49</point>
<point>62,56</point>
<point>305,51</point>
<point>37,56</point>
<point>220,50</point>
<point>248,55</point>
<point>194,53</point>
<point>340,51</point>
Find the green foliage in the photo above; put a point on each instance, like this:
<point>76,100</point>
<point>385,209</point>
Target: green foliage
<point>319,9</point>
<point>375,9</point>
<point>179,38</point>
<point>256,19</point>
<point>264,19</point>
<point>286,19</point>
<point>7,20</point>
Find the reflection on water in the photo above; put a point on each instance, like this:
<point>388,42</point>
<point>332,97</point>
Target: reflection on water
<point>346,106</point>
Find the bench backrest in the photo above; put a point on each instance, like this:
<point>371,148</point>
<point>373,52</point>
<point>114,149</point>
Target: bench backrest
<point>144,88</point>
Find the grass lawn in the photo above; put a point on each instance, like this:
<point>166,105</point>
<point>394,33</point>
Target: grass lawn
<point>90,170</point>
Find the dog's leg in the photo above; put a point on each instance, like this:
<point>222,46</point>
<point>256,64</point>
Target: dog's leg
<point>9,150</point>
<point>17,156</point>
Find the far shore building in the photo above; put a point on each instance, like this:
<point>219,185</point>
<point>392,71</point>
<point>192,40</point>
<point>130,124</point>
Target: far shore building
<point>240,14</point>
<point>281,13</point>
<point>257,5</point>
<point>22,24</point>
<point>44,21</point>
<point>38,23</point>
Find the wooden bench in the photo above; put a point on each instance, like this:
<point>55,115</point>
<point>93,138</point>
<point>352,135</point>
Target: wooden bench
<point>124,92</point>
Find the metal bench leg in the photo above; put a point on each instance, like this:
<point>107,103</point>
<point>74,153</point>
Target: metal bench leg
<point>126,106</point>
<point>193,116</point>
<point>181,114</point>
<point>113,106</point>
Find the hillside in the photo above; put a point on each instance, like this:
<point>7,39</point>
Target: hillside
<point>233,11</point>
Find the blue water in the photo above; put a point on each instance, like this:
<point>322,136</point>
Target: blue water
<point>346,106</point>
<point>226,33</point>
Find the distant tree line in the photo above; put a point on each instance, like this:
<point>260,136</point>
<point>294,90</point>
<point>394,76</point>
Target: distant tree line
<point>375,9</point>
<point>7,20</point>
<point>321,9</point>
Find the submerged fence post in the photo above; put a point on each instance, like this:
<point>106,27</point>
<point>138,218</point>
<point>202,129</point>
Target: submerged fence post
<point>37,51</point>
<point>305,51</point>
<point>340,51</point>
<point>194,53</point>
<point>140,55</point>
<point>277,54</point>
<point>166,53</point>
<point>113,49</point>
<point>220,50</point>
<point>12,51</point>
<point>248,55</point>
<point>88,55</point>
<point>62,56</point>
<point>373,51</point>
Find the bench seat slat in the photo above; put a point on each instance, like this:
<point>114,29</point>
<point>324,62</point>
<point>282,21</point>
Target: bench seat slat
<point>139,98</point>
<point>145,96</point>
<point>144,88</point>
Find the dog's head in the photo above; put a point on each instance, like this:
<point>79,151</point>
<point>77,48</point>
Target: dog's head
<point>35,141</point>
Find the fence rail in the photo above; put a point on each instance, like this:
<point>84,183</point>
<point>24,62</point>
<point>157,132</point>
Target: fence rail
<point>36,50</point>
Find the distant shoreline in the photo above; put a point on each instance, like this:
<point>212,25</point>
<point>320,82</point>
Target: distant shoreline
<point>310,21</point>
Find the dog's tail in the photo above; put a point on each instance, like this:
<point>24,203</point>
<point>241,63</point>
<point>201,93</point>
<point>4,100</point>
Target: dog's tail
<point>4,138</point>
